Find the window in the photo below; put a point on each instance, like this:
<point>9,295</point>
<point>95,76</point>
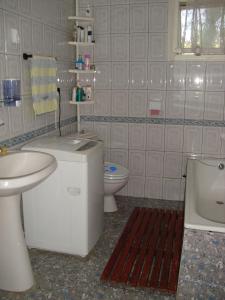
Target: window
<point>197,29</point>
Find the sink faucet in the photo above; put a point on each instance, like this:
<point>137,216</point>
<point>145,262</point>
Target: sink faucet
<point>3,150</point>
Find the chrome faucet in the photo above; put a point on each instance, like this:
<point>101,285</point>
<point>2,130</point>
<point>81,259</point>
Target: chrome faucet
<point>3,150</point>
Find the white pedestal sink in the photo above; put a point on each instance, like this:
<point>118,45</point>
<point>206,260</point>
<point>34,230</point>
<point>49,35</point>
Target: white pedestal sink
<point>19,172</point>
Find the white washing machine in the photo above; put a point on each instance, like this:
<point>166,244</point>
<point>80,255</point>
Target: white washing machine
<point>65,212</point>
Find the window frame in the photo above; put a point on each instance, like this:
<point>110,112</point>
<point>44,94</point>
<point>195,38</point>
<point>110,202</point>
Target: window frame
<point>173,13</point>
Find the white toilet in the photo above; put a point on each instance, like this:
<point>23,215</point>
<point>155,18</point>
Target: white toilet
<point>115,178</point>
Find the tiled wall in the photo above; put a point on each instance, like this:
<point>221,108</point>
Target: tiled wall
<point>132,73</point>
<point>41,28</point>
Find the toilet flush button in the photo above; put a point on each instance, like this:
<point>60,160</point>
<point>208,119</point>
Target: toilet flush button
<point>73,191</point>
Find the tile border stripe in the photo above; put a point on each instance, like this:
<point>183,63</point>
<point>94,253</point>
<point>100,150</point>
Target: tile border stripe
<point>187,122</point>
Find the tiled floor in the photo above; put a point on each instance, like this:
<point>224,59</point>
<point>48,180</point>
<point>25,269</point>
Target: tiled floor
<point>65,277</point>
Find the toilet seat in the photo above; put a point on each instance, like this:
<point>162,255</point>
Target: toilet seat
<point>114,171</point>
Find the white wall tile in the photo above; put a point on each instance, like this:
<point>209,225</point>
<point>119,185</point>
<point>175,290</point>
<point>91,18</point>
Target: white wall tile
<point>10,5</point>
<point>120,47</point>
<point>12,33</point>
<point>119,156</point>
<point>38,38</point>
<point>137,163</point>
<point>157,47</point>
<point>195,76</point>
<point>172,165</point>
<point>153,187</point>
<point>139,18</point>
<point>137,103</point>
<point>25,6</point>
<point>214,106</point>
<point>119,103</point>
<point>138,46</point>
<point>155,137</point>
<point>102,48</point>
<point>102,105</point>
<point>48,41</point>
<point>138,75</point>
<point>119,135</point>
<point>136,186</point>
<point>26,80</point>
<point>174,138</point>
<point>138,1</point>
<point>2,33</point>
<point>120,75</point>
<point>26,35</point>
<point>157,75</point>
<point>87,126</point>
<point>101,2</point>
<point>120,19</point>
<point>154,163</point>
<point>85,3</point>
<point>194,105</point>
<point>158,17</point>
<point>137,136</point>
<point>117,2</point>
<point>13,66</point>
<point>171,189</point>
<point>102,20</point>
<point>2,73</point>
<point>4,130</point>
<point>211,140</point>
<point>87,110</point>
<point>103,132</point>
<point>175,101</point>
<point>103,75</point>
<point>16,120</point>
<point>176,74</point>
<point>215,76</point>
<point>192,139</point>
<point>28,114</point>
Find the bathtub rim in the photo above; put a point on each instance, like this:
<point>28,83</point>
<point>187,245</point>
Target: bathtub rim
<point>192,220</point>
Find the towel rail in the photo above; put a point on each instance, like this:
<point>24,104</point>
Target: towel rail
<point>26,56</point>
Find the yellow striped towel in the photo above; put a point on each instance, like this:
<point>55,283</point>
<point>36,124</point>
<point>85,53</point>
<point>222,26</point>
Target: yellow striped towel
<point>43,84</point>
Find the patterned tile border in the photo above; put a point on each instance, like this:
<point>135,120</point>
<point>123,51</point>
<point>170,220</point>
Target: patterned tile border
<point>108,119</point>
<point>188,122</point>
<point>35,133</point>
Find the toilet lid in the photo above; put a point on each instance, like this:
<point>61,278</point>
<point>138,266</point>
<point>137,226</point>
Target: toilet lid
<point>112,170</point>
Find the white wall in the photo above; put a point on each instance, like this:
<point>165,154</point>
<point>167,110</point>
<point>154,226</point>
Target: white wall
<point>134,72</point>
<point>42,29</point>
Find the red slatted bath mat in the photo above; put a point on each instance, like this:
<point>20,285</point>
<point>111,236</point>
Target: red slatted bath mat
<point>148,252</point>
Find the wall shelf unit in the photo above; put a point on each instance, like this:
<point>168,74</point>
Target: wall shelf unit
<point>80,20</point>
<point>82,102</point>
<point>84,44</point>
<point>76,71</point>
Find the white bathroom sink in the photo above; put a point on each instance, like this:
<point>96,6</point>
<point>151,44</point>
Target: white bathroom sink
<point>22,170</point>
<point>19,172</point>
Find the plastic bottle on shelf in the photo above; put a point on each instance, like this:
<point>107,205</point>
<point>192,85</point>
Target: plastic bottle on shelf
<point>82,34</point>
<point>75,34</point>
<point>74,94</point>
<point>90,36</point>
<point>79,62</point>
<point>88,92</point>
<point>87,64</point>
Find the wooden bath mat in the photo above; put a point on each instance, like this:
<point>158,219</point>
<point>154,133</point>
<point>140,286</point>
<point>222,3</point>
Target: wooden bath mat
<point>148,252</point>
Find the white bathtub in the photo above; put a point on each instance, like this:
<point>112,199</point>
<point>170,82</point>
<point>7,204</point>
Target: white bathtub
<point>205,195</point>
